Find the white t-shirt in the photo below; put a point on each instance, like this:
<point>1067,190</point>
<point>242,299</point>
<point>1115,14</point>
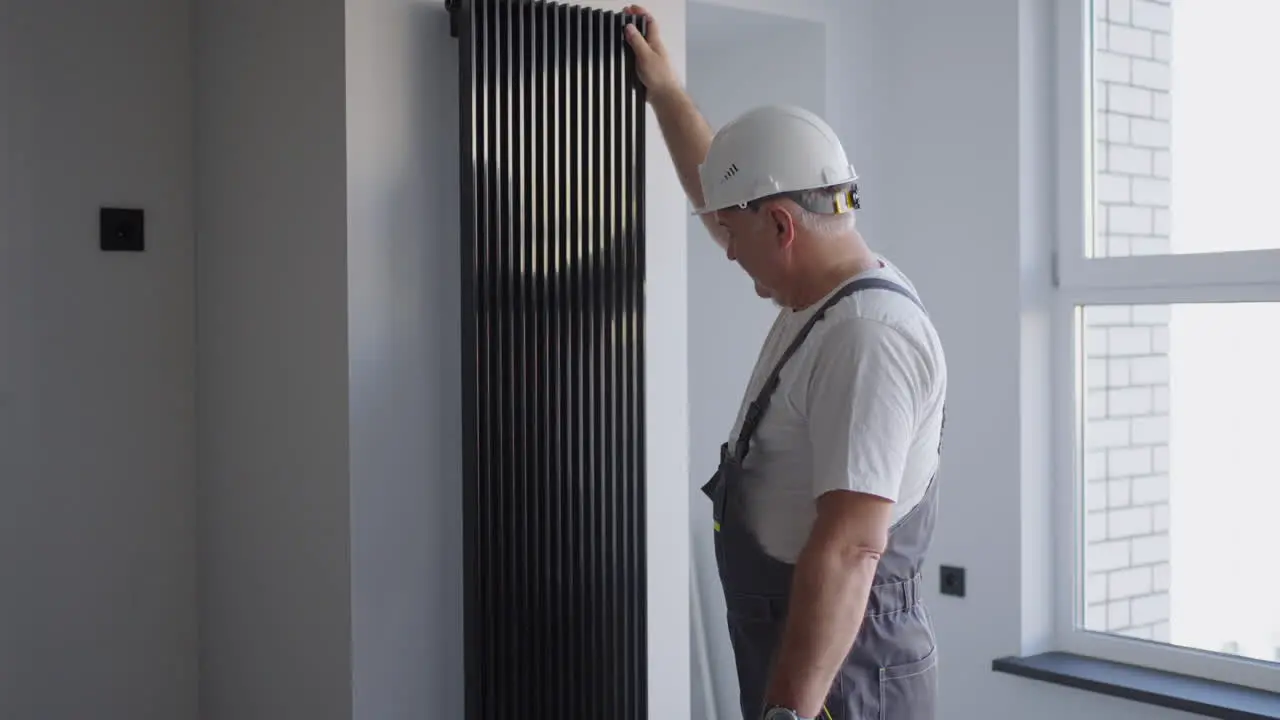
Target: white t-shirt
<point>858,407</point>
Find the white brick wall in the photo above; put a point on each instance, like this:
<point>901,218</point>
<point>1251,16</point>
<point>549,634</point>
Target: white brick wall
<point>1126,459</point>
<point>1132,79</point>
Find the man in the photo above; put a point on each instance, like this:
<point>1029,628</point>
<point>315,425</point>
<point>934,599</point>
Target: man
<point>824,502</point>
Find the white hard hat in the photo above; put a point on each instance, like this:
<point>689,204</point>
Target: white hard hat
<point>770,150</point>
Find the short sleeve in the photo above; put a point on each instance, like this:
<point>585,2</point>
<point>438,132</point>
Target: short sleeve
<point>862,406</point>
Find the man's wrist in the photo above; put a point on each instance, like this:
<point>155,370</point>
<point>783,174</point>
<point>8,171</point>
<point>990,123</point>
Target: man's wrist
<point>800,694</point>
<point>781,712</point>
<point>664,96</point>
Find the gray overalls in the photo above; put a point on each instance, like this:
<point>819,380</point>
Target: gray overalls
<point>890,673</point>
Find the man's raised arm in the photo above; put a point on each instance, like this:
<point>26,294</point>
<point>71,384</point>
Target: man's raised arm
<point>685,130</point>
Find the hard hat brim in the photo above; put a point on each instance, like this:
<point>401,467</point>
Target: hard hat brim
<point>706,210</point>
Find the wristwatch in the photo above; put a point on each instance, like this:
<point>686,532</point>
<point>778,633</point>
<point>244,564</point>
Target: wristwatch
<point>777,712</point>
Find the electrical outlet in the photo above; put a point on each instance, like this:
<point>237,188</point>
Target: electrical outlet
<point>121,230</point>
<point>952,581</point>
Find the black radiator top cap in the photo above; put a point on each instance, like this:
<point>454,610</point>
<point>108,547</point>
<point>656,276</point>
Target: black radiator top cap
<point>455,6</point>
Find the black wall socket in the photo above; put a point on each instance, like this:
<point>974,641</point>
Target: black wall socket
<point>121,230</point>
<point>952,581</point>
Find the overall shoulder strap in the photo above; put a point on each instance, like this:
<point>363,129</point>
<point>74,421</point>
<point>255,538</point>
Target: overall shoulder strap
<point>755,411</point>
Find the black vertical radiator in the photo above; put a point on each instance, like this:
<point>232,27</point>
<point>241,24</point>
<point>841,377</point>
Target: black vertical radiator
<point>553,259</point>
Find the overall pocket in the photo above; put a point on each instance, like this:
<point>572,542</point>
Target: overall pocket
<point>910,691</point>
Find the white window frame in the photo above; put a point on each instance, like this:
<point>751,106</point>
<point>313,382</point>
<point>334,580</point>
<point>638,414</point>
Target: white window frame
<point>1211,277</point>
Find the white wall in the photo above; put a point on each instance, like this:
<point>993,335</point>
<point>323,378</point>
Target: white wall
<point>97,361</point>
<point>733,67</point>
<point>274,500</point>
<point>15,294</point>
<point>666,403</point>
<point>403,302</point>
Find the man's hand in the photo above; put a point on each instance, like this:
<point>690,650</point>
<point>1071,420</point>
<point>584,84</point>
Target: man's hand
<point>652,64</point>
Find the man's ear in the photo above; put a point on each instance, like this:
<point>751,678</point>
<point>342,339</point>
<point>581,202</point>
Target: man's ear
<point>783,225</point>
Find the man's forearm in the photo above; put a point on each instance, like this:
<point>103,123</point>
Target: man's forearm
<point>828,599</point>
<point>688,138</point>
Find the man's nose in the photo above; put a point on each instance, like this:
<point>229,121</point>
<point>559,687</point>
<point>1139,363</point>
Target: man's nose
<point>728,251</point>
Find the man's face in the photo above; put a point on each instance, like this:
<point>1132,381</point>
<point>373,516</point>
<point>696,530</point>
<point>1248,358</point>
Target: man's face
<point>756,241</point>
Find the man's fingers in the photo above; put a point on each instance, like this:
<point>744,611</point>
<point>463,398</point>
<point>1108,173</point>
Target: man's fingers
<point>638,43</point>
<point>652,36</point>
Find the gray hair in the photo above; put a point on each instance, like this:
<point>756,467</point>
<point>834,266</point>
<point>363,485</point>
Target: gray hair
<point>826,210</point>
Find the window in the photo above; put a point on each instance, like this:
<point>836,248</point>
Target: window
<point>1167,347</point>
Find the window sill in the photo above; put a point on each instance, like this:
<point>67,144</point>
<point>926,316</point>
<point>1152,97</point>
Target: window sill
<point>1209,698</point>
